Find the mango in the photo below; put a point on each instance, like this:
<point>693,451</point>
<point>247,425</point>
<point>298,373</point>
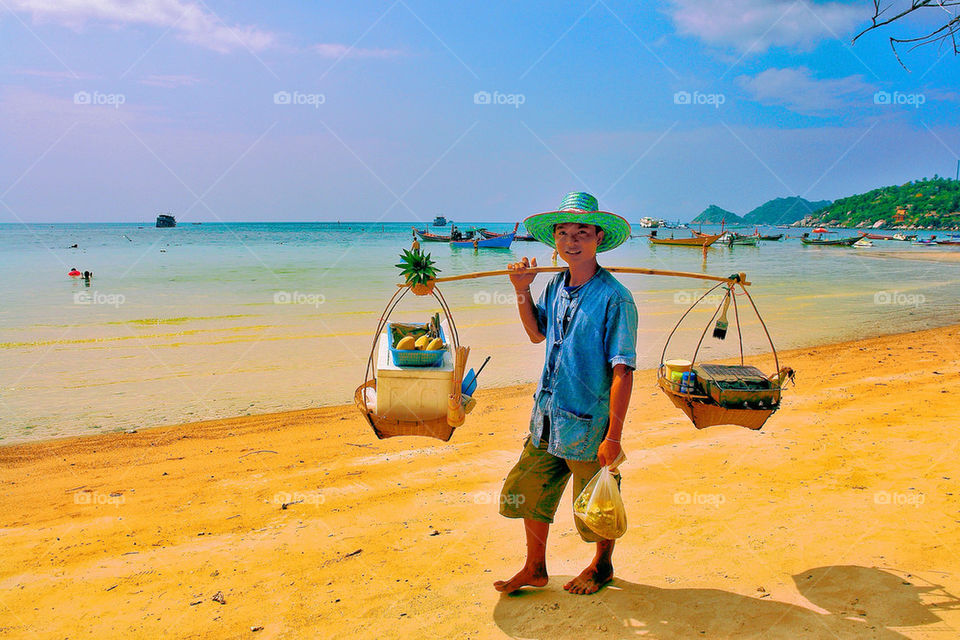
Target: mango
<point>422,342</point>
<point>407,343</point>
<point>435,345</point>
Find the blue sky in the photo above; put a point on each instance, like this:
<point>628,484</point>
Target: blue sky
<point>114,110</point>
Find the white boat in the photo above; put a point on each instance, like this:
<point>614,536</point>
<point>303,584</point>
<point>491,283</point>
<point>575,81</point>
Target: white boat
<point>862,242</point>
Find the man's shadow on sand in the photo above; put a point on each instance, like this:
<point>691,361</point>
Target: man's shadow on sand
<point>862,603</point>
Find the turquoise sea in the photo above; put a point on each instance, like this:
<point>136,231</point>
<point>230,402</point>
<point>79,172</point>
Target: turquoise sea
<point>213,320</point>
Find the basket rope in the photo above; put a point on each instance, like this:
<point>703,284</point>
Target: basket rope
<point>733,284</point>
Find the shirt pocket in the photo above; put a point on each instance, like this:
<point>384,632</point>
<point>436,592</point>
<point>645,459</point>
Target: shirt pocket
<point>574,433</point>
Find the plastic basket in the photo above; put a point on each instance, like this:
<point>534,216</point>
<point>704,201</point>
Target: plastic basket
<point>415,357</point>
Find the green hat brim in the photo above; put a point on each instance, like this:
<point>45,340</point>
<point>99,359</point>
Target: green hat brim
<point>616,230</point>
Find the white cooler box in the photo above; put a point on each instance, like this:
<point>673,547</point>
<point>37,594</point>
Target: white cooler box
<point>412,393</point>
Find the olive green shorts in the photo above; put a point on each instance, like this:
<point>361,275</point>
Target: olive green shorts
<point>534,486</point>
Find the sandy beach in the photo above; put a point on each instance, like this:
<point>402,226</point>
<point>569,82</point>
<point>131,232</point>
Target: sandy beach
<point>839,519</point>
<point>929,255</point>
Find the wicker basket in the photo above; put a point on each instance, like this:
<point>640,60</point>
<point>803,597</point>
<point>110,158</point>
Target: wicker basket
<point>388,428</point>
<point>704,412</point>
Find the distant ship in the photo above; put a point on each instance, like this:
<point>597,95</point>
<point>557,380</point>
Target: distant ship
<point>649,223</point>
<point>164,220</point>
<point>439,221</point>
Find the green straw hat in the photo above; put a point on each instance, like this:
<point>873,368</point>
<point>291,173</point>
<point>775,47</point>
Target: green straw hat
<point>581,208</point>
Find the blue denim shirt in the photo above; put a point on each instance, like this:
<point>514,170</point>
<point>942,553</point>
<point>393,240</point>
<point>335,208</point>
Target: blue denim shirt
<point>588,332</point>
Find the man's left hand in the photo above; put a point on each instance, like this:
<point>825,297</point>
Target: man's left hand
<point>608,452</point>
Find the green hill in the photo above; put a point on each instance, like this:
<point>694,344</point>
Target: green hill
<point>930,204</point>
<point>714,214</point>
<point>783,210</point>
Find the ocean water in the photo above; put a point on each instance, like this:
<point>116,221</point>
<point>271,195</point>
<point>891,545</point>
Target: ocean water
<point>215,320</point>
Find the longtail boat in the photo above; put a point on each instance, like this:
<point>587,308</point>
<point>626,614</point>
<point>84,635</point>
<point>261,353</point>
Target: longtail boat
<point>499,242</point>
<point>695,241</point>
<point>426,236</point>
<point>490,234</point>
<point>779,236</point>
<point>834,242</point>
<point>736,238</point>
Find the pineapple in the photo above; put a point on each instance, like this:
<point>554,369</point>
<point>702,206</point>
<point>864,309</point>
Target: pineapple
<point>418,270</point>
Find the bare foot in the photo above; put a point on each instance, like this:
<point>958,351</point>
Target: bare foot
<point>535,576</point>
<point>591,580</point>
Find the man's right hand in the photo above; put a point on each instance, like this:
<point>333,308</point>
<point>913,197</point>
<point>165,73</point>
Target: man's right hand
<point>522,278</point>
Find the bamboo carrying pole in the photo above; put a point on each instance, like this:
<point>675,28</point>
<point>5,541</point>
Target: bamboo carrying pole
<point>741,277</point>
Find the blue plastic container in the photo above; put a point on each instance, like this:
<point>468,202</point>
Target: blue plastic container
<point>415,357</point>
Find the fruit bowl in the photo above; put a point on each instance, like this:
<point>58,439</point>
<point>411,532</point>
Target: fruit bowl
<point>414,357</point>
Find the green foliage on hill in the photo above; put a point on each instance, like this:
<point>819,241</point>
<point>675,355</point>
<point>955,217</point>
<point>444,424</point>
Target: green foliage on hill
<point>714,214</point>
<point>783,210</point>
<point>931,203</point>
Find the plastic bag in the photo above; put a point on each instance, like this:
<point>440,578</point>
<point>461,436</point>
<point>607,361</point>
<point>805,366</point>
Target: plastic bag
<point>600,506</point>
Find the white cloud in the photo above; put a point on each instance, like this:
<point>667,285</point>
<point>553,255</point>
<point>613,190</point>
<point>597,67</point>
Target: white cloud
<point>189,21</point>
<point>756,25</point>
<point>796,89</point>
<point>169,81</point>
<point>341,50</point>
<point>54,75</point>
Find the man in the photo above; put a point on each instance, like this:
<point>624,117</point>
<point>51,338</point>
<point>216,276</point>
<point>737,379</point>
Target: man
<point>589,322</point>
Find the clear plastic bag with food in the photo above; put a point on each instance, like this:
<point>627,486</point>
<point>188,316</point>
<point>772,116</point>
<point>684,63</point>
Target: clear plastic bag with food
<point>600,506</point>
